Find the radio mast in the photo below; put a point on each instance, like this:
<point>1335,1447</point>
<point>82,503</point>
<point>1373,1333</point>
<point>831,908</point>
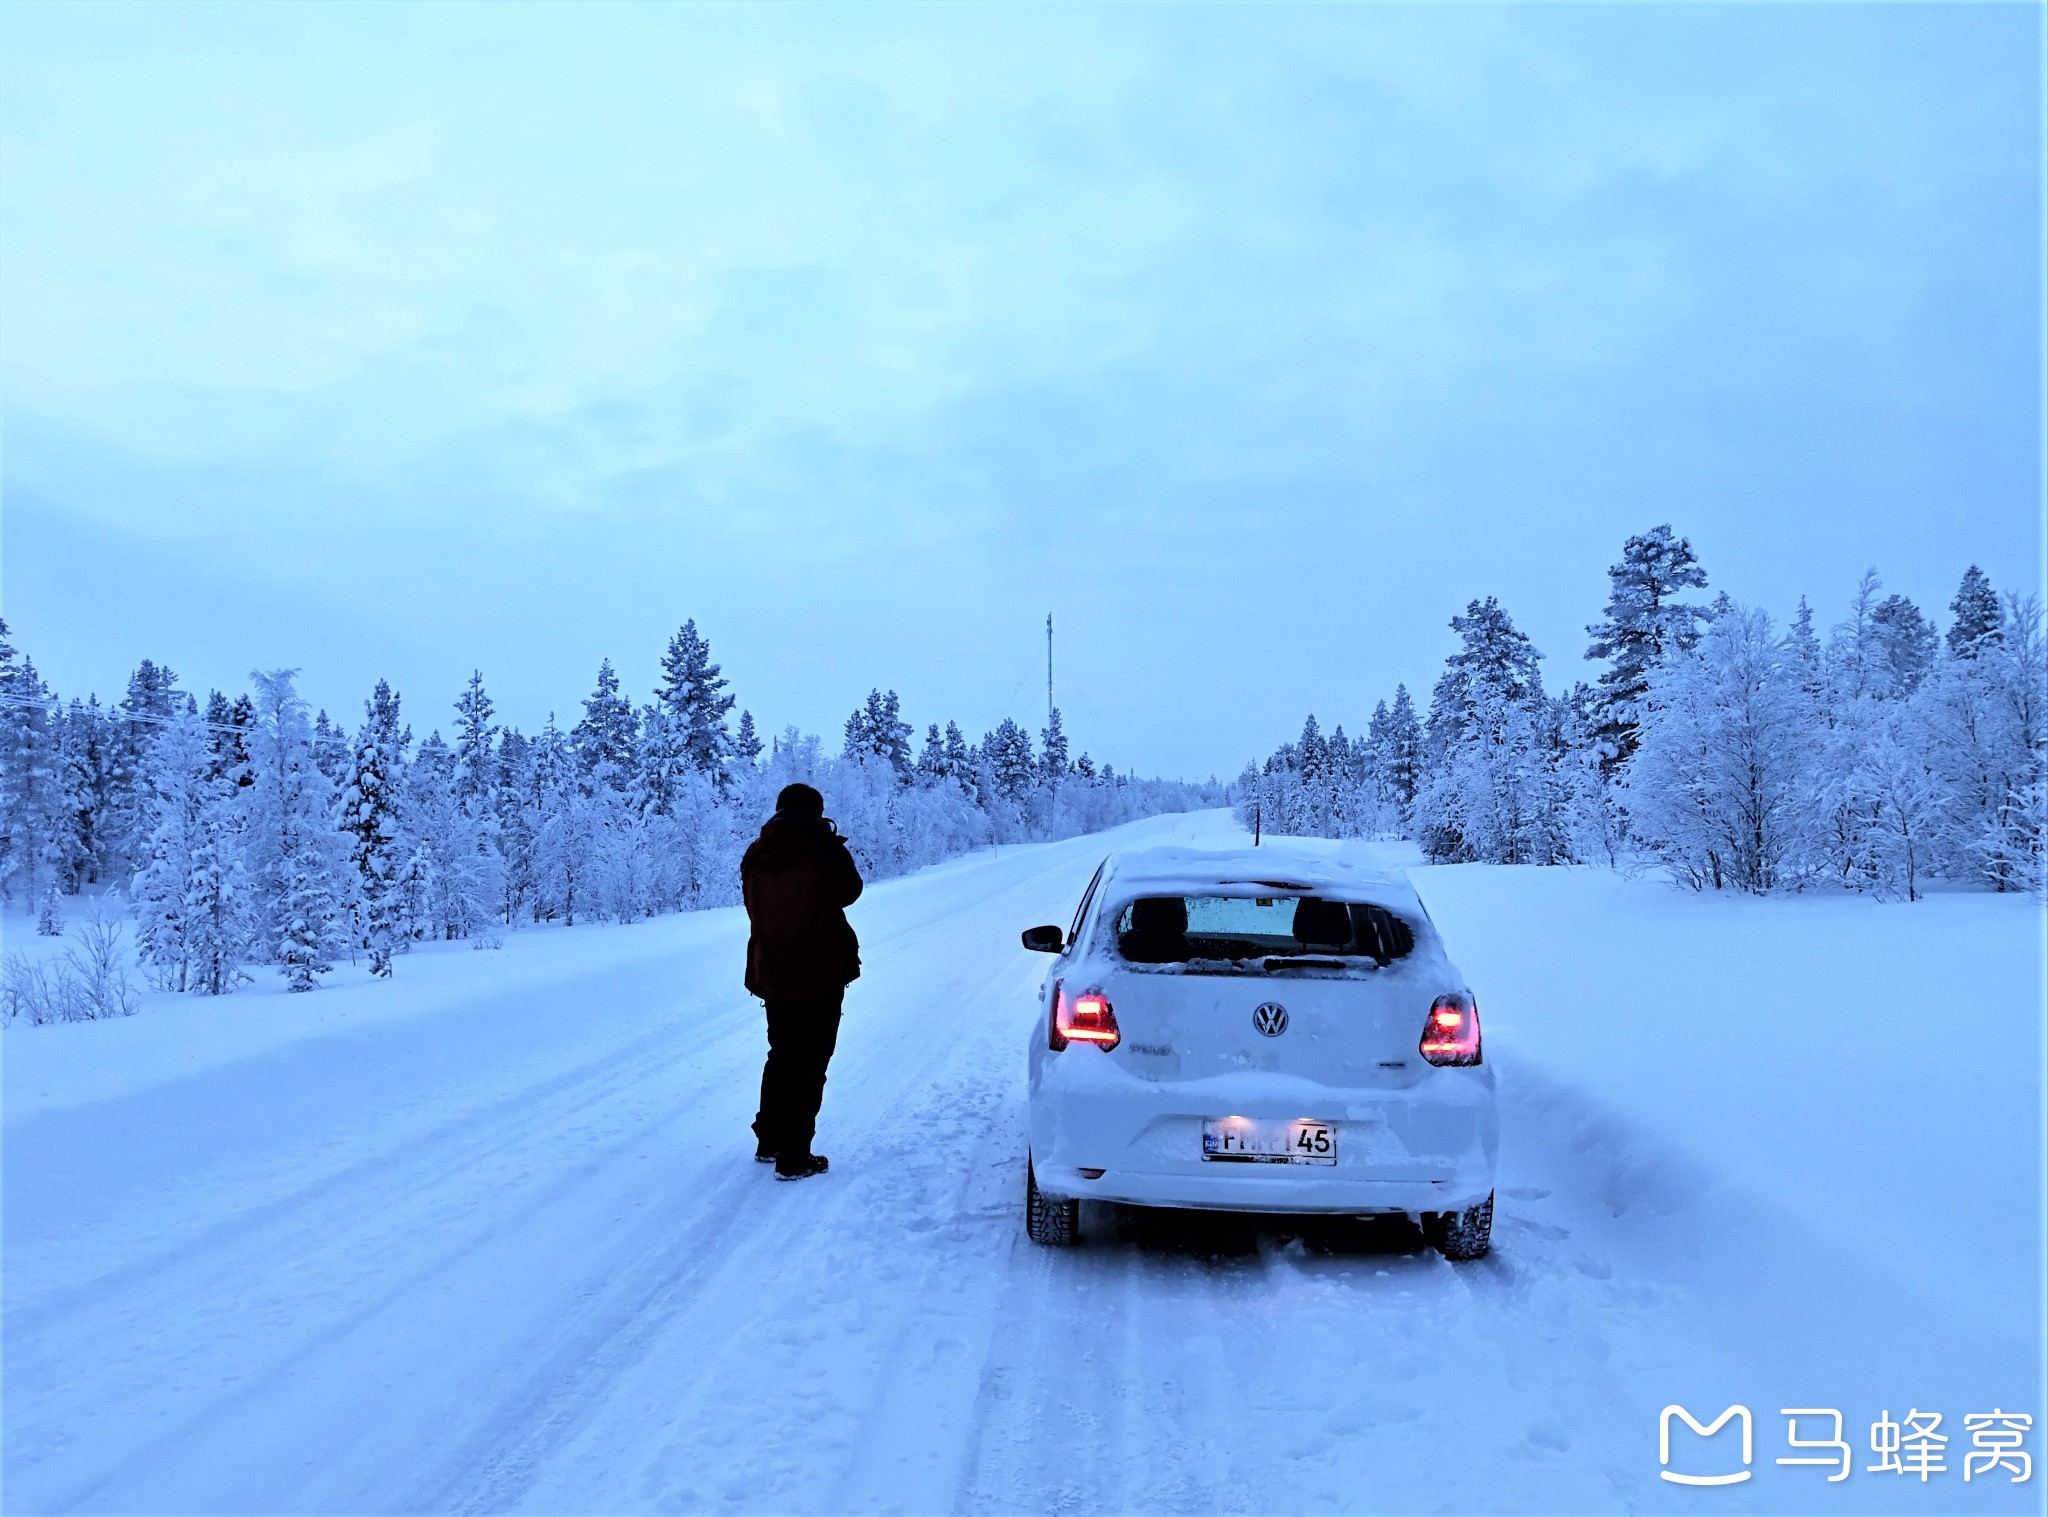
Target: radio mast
<point>1048,672</point>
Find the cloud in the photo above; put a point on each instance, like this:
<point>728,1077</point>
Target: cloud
<point>827,316</point>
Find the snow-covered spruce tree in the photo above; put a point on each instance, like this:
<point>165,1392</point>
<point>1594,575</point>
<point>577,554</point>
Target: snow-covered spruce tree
<point>462,874</point>
<point>931,767</point>
<point>1005,779</point>
<point>876,729</point>
<point>746,743</point>
<point>218,932</point>
<point>1906,644</point>
<point>564,831</point>
<point>330,750</point>
<point>1645,622</point>
<point>292,852</point>
<point>90,799</point>
<point>475,770</point>
<point>1977,615</point>
<point>309,918</point>
<point>692,691</point>
<point>29,815</point>
<point>1474,802</point>
<point>227,727</point>
<point>607,739</point>
<point>512,790</point>
<point>1397,755</point>
<point>1053,758</point>
<point>176,799</point>
<point>152,698</point>
<point>2009,845</point>
<point>1717,785</point>
<point>369,818</point>
<point>665,763</point>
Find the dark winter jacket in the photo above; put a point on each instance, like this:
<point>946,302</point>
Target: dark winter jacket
<point>797,879</point>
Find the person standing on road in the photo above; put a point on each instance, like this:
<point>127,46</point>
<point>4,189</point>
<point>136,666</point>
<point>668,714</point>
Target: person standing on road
<point>797,880</point>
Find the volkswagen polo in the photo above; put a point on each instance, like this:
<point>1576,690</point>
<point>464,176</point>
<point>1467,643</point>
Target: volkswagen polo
<point>1259,1030</point>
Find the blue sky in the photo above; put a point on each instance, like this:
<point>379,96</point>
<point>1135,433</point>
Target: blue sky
<point>1250,342</point>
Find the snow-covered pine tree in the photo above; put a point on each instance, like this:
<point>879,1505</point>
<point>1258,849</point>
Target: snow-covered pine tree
<point>1645,622</point>
<point>693,692</point>
<point>1977,615</point>
<point>370,819</point>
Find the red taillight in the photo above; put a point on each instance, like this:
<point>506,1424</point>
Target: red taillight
<point>1084,1018</point>
<point>1451,1035</point>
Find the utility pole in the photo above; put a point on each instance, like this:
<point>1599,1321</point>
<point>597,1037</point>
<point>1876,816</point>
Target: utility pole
<point>1048,672</point>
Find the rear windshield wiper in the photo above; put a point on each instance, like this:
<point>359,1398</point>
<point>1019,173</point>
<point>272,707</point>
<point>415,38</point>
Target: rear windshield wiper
<point>1310,961</point>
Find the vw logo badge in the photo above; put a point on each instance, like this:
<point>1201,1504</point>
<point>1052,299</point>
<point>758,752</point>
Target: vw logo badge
<point>1270,1019</point>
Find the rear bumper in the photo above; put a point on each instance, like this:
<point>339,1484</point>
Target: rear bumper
<point>1427,1147</point>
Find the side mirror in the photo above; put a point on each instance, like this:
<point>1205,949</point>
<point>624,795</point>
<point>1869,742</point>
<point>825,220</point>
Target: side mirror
<point>1044,939</point>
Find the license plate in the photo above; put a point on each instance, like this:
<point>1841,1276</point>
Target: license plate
<point>1259,1140</point>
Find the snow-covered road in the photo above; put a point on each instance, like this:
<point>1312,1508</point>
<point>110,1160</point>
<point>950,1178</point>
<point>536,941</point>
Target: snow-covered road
<point>496,1242</point>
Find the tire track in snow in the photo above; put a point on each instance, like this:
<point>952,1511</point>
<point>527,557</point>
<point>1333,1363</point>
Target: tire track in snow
<point>512,1465</point>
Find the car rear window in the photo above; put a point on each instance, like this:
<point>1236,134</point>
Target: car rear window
<point>1175,929</point>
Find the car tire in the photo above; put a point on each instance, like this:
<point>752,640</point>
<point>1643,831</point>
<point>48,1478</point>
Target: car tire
<point>1461,1235</point>
<point>1049,1221</point>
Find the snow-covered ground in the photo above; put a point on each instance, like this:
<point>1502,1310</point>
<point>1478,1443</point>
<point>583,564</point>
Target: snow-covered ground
<point>490,1237</point>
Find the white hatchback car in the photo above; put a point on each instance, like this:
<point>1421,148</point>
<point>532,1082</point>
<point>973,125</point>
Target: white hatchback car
<point>1259,1030</point>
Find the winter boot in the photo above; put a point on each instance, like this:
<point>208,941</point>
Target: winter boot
<point>800,1166</point>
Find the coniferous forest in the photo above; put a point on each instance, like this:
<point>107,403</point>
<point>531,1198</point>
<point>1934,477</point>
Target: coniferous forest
<point>1737,754</point>
<point>250,835</point>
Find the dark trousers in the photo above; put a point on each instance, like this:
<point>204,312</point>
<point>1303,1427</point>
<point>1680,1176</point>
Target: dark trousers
<point>801,1036</point>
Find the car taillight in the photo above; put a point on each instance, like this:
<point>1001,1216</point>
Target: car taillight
<point>1083,1018</point>
<point>1451,1035</point>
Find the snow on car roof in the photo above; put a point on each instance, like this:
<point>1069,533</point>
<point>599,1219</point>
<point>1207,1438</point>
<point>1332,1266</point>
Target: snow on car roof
<point>1283,869</point>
